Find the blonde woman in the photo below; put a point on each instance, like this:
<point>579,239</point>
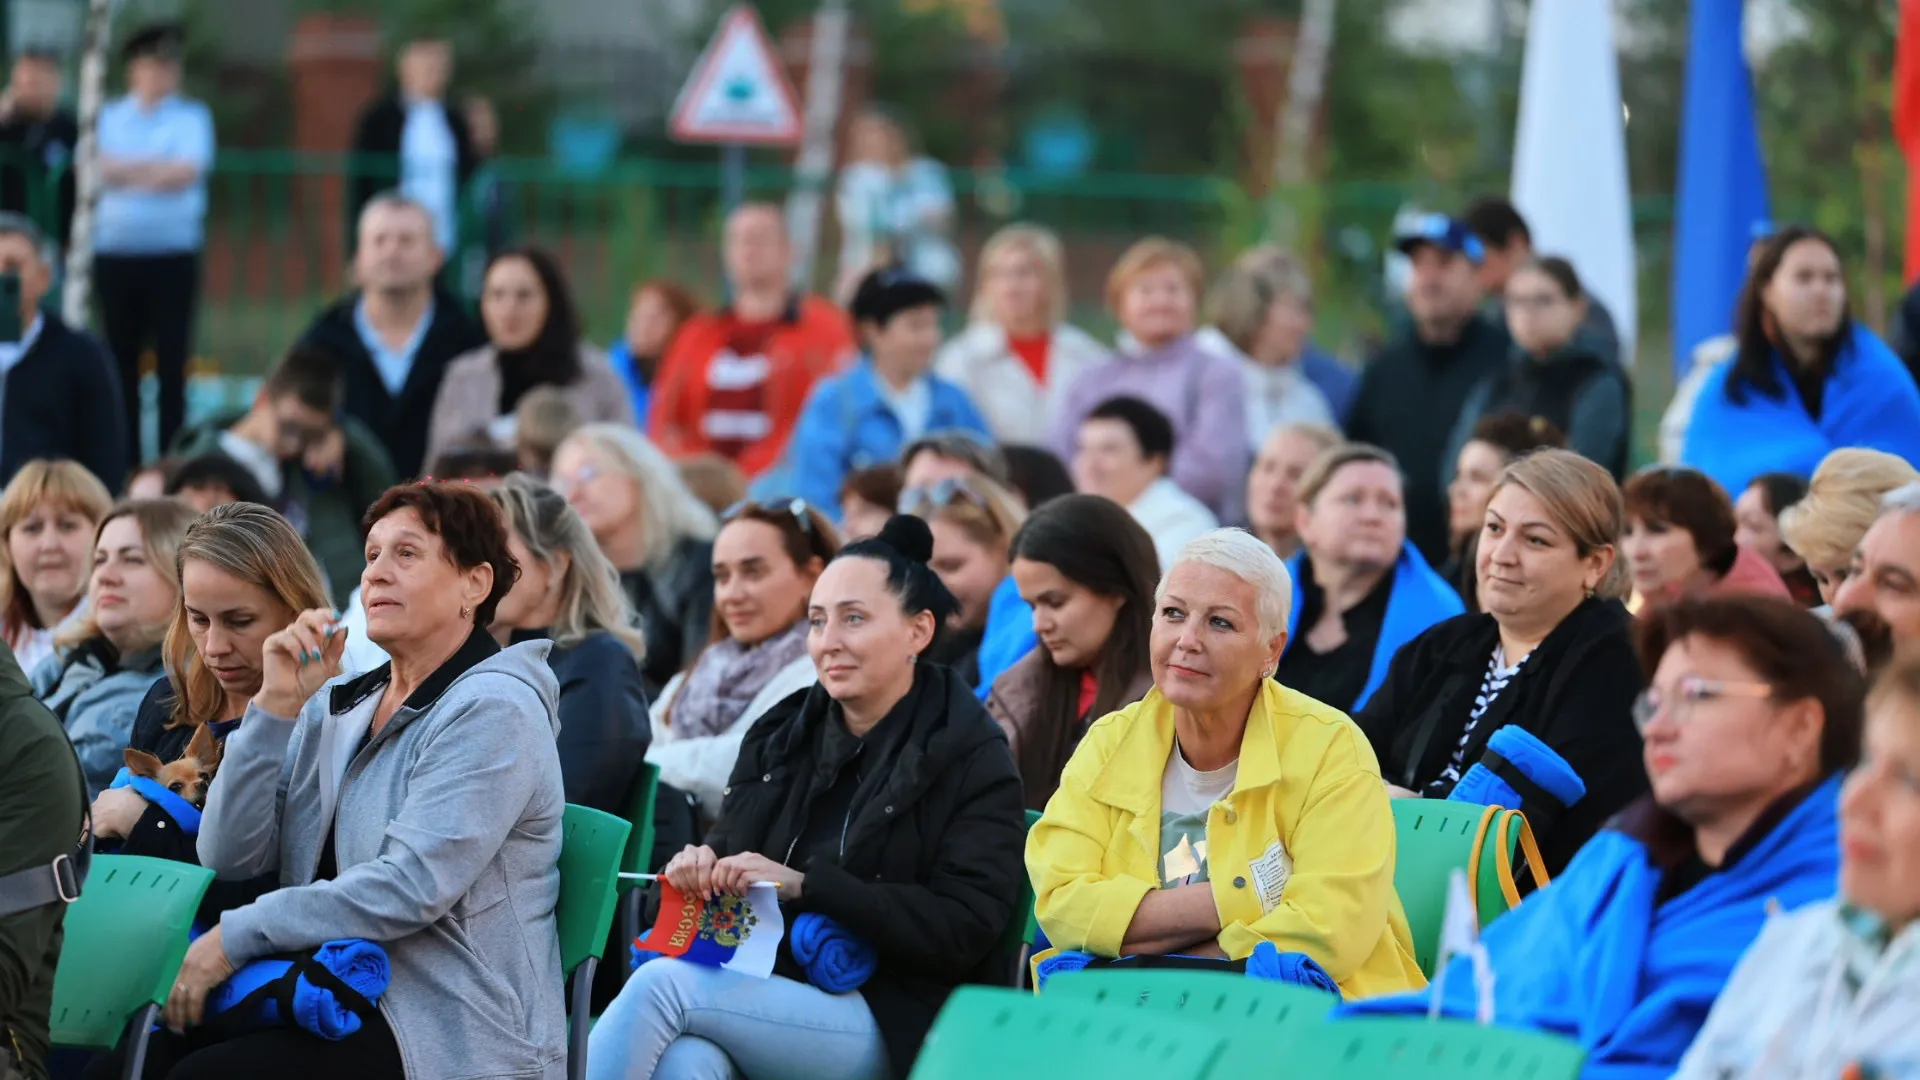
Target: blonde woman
<point>1019,353</point>
<point>48,515</point>
<point>973,522</point>
<point>244,574</point>
<point>654,530</point>
<point>105,661</point>
<point>1263,307</point>
<point>568,592</point>
<point>1841,504</point>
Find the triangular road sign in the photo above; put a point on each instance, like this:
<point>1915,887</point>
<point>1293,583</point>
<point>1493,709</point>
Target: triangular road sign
<point>738,92</point>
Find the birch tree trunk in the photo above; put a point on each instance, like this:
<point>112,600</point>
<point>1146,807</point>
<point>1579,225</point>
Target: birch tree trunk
<point>77,293</point>
<point>826,77</point>
<point>1306,89</point>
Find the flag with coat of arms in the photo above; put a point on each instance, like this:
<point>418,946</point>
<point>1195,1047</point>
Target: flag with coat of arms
<point>737,931</point>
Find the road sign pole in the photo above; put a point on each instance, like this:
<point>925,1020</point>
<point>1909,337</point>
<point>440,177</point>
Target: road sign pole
<point>733,175</point>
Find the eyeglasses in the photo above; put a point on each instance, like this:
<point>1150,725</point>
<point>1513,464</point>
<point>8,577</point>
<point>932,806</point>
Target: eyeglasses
<point>795,507</point>
<point>941,493</point>
<point>568,483</point>
<point>1692,691</point>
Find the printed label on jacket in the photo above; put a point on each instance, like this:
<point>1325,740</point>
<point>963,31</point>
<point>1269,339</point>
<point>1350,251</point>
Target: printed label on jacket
<point>1270,873</point>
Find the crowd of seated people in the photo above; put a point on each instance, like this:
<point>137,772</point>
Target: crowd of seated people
<point>866,603</point>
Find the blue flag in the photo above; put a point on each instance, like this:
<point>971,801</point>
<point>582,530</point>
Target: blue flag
<point>1722,203</point>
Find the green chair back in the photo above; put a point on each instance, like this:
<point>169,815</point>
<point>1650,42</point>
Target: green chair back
<point>639,851</point>
<point>1261,1019</point>
<point>1435,837</point>
<point>1021,931</point>
<point>1012,1035</point>
<point>125,938</point>
<point>589,862</point>
<point>1415,1048</point>
<point>1031,927</point>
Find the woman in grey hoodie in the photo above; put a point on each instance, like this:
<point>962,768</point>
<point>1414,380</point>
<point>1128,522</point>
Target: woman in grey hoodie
<point>418,806</point>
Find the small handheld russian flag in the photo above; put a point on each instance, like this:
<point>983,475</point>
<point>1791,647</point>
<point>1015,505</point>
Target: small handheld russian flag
<point>739,932</point>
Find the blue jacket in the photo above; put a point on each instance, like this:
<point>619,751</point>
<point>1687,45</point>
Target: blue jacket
<point>1869,400</point>
<point>96,695</point>
<point>639,391</point>
<point>1591,958</point>
<point>1419,599</point>
<point>846,425</point>
<point>1009,635</point>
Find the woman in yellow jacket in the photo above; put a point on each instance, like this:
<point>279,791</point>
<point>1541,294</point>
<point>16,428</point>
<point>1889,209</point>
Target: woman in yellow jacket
<point>1225,809</point>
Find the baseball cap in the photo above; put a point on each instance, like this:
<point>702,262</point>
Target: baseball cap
<point>1446,233</point>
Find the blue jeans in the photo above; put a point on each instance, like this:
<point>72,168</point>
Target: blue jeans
<point>680,1021</point>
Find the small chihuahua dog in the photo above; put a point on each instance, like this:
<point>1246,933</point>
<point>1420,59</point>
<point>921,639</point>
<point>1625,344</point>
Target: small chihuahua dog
<point>188,777</point>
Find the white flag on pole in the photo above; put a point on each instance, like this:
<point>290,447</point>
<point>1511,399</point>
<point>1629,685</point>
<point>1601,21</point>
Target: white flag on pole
<point>1460,936</point>
<point>1570,153</point>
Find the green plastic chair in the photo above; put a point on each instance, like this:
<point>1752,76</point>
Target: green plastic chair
<point>1415,1048</point>
<point>1024,928</point>
<point>639,852</point>
<point>1012,1035</point>
<point>1260,1018</point>
<point>1434,838</point>
<point>589,862</point>
<point>125,938</point>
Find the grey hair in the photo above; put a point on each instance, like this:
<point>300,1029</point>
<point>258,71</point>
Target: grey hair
<point>670,512</point>
<point>1245,556</point>
<point>1904,499</point>
<point>15,224</point>
<point>393,199</point>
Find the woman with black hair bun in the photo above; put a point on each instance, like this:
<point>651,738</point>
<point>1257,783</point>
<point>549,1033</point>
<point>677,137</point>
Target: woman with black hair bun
<point>882,802</point>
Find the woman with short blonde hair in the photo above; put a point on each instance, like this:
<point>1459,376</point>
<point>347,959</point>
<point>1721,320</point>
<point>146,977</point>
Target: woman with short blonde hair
<point>1841,504</point>
<point>1019,353</point>
<point>48,515</point>
<point>1551,653</point>
<point>1154,291</point>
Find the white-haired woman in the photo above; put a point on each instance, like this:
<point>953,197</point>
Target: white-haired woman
<point>655,531</point>
<point>1019,350</point>
<point>569,593</point>
<point>1265,807</point>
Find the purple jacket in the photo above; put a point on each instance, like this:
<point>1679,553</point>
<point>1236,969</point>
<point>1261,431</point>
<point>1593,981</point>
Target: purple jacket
<point>1202,394</point>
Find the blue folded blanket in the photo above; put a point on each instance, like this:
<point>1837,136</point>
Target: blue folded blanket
<point>1059,962</point>
<point>184,814</point>
<point>1268,962</point>
<point>835,959</point>
<point>1532,759</point>
<point>317,993</point>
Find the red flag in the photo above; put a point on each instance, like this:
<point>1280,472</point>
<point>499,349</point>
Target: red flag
<point>1906,122</point>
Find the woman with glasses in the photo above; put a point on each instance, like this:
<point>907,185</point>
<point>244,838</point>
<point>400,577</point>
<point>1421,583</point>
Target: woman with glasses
<point>654,530</point>
<point>765,561</point>
<point>1550,653</point>
<point>1835,986</point>
<point>568,593</point>
<point>1555,374</point>
<point>1753,713</point>
<point>973,523</point>
<point>1680,541</point>
<point>1088,571</point>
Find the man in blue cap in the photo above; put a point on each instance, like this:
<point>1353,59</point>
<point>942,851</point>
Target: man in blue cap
<point>1412,391</point>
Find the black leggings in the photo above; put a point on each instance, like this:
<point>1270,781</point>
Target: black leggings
<point>271,1054</point>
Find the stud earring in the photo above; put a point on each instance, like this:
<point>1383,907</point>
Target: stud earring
<point>466,613</point>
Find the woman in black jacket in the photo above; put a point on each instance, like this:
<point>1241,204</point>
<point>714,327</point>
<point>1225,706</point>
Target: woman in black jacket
<point>569,592</point>
<point>244,575</point>
<point>884,799</point>
<point>1551,653</point>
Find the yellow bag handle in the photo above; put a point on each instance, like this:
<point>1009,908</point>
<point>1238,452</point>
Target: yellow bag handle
<point>1497,819</point>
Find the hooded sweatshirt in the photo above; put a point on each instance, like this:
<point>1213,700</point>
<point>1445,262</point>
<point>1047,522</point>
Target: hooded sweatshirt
<point>446,829</point>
